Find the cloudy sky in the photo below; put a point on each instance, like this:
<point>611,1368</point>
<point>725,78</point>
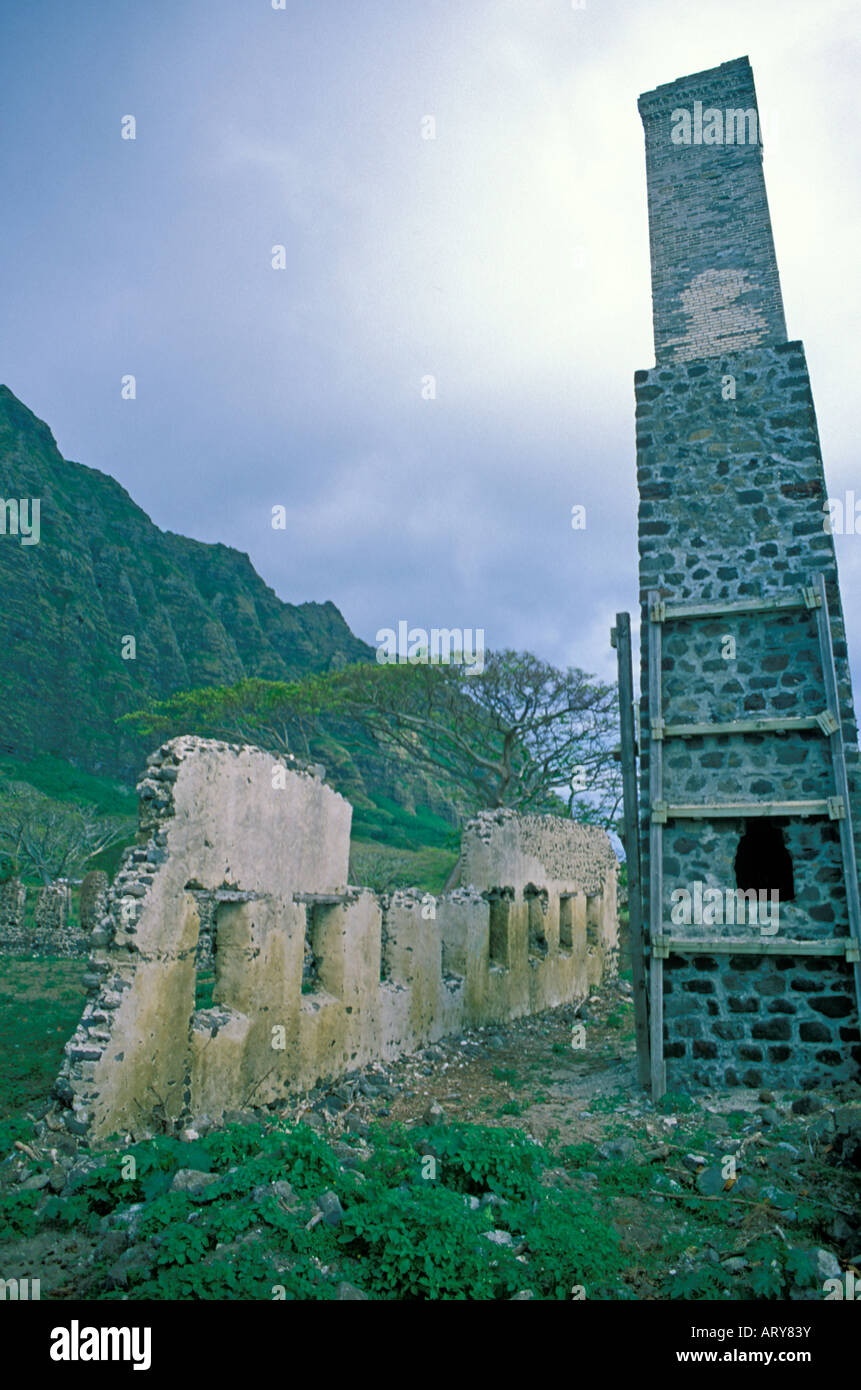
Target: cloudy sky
<point>507,258</point>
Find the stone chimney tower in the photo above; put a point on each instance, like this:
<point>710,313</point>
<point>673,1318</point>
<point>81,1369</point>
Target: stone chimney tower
<point>750,768</point>
<point>715,286</point>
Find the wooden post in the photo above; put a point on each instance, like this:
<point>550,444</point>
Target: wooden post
<point>841,781</point>
<point>656,847</point>
<point>632,842</point>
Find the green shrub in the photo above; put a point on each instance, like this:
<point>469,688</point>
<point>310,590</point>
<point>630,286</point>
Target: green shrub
<point>423,1243</point>
<point>156,1162</point>
<point>18,1212</point>
<point>577,1155</point>
<point>624,1177</point>
<point>604,1105</point>
<point>483,1158</point>
<point>247,1274</point>
<point>675,1102</point>
<point>163,1212</point>
<point>232,1145</point>
<point>183,1242</point>
<point>12,1130</point>
<point>696,1284</point>
<point>308,1161</point>
<point>395,1160</point>
<point>570,1242</point>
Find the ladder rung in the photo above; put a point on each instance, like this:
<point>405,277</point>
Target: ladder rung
<point>666,612</point>
<point>665,945</point>
<point>662,811</point>
<point>749,726</point>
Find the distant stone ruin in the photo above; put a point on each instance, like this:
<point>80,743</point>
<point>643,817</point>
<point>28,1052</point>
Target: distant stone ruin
<point>241,869</point>
<point>38,921</point>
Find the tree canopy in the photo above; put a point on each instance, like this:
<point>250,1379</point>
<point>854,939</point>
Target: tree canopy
<point>520,733</point>
<point>49,839</point>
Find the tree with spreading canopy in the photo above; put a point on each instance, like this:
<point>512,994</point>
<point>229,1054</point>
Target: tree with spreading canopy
<point>48,839</point>
<point>518,733</point>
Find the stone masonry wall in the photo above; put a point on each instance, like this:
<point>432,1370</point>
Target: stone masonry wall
<point>312,978</point>
<point>91,899</point>
<point>39,921</point>
<point>518,848</point>
<point>13,902</point>
<point>715,285</point>
<point>523,856</point>
<point>732,496</point>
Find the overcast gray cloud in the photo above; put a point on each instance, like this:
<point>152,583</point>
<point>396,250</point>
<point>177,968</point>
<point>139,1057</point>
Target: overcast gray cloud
<point>507,258</point>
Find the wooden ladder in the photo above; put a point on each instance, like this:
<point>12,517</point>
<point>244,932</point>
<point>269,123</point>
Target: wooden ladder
<point>836,807</point>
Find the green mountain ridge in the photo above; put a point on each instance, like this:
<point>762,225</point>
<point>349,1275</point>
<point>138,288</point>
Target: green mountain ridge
<point>200,615</point>
<point>103,571</point>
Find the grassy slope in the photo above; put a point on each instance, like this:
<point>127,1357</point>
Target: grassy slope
<point>40,1004</point>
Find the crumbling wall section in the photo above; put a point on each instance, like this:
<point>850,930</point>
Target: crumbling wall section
<point>13,905</point>
<point>92,900</point>
<point>40,921</point>
<point>545,862</point>
<point>312,978</point>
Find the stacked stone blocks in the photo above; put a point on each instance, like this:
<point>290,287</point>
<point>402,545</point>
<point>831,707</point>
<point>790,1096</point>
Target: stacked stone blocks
<point>733,507</point>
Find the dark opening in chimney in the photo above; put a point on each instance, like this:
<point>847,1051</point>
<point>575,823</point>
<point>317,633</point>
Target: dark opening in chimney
<point>763,862</point>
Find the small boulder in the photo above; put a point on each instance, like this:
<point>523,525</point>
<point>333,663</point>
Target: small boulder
<point>434,1114</point>
<point>806,1105</point>
<point>694,1162</point>
<point>504,1238</point>
<point>711,1181</point>
<point>349,1293</point>
<point>330,1205</point>
<point>111,1245</point>
<point>36,1182</point>
<point>192,1182</point>
<point>618,1149</point>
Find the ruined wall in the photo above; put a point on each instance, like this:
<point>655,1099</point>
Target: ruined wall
<point>92,899</point>
<point>13,902</point>
<point>732,496</point>
<point>535,862</point>
<point>312,978</point>
<point>39,921</point>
